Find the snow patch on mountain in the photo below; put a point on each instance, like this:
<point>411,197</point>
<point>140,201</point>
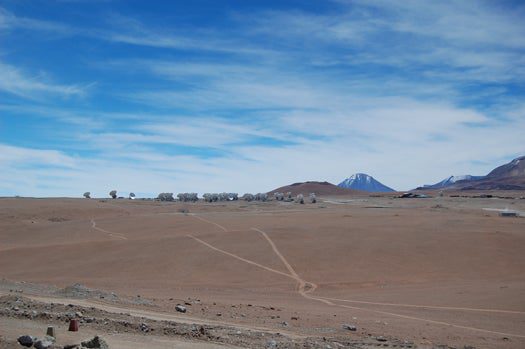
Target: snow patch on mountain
<point>452,180</point>
<point>362,181</point>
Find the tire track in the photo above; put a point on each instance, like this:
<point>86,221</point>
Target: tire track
<point>110,233</point>
<point>436,307</point>
<point>240,258</point>
<point>305,287</point>
<point>210,222</point>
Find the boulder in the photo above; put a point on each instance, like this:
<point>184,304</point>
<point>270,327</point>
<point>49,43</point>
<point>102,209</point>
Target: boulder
<point>26,341</point>
<point>180,308</point>
<point>45,343</point>
<point>96,342</point>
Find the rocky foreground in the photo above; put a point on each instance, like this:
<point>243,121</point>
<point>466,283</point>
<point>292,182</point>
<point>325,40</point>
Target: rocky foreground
<point>23,308</point>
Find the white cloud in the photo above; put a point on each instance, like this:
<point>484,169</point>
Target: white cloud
<point>14,81</point>
<point>9,21</point>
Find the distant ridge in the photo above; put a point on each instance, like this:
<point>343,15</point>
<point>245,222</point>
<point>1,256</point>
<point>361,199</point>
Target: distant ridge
<point>510,176</point>
<point>364,182</point>
<point>447,182</point>
<point>319,188</point>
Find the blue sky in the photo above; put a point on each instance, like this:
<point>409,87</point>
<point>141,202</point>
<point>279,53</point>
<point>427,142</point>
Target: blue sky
<point>247,96</point>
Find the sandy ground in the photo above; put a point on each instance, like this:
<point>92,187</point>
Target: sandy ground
<point>431,271</point>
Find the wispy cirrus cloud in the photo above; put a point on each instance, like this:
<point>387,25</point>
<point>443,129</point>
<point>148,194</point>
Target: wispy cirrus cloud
<point>20,83</point>
<point>9,21</point>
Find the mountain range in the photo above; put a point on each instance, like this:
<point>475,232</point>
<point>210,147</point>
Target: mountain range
<point>510,176</point>
<point>447,182</point>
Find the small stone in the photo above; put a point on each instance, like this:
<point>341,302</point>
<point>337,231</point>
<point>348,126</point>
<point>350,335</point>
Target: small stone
<point>381,339</point>
<point>180,308</point>
<point>284,323</point>
<point>26,341</point>
<point>271,344</point>
<point>295,318</point>
<point>144,327</point>
<point>79,314</point>
<point>349,327</point>
<point>71,346</point>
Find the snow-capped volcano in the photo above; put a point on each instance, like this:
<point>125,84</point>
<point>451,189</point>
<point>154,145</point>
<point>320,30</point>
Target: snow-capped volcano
<point>447,182</point>
<point>362,181</point>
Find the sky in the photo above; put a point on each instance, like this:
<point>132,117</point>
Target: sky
<point>246,96</point>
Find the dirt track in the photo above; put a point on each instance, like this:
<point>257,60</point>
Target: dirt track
<point>433,271</point>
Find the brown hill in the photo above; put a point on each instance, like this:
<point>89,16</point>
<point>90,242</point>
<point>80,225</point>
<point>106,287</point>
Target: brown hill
<point>510,176</point>
<point>319,188</point>
<point>515,168</point>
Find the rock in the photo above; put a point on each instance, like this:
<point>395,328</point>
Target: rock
<point>271,344</point>
<point>96,342</point>
<point>180,308</point>
<point>71,346</point>
<point>79,314</point>
<point>381,339</point>
<point>295,318</point>
<point>284,323</point>
<point>349,327</point>
<point>144,327</point>
<point>44,343</point>
<point>26,341</point>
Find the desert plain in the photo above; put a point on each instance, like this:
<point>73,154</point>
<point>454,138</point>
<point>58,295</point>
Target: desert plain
<point>433,272</point>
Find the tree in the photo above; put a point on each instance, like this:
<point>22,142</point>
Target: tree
<point>87,195</point>
<point>113,194</point>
